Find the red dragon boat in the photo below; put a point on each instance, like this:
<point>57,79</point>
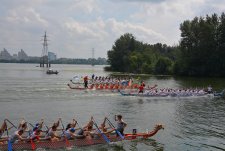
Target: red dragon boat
<point>114,88</point>
<point>78,142</point>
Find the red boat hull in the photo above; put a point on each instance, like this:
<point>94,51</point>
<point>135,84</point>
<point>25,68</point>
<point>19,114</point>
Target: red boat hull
<point>69,143</point>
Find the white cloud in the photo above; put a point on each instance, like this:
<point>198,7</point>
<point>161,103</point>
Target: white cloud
<point>102,34</point>
<point>25,16</point>
<point>75,27</point>
<point>138,30</point>
<point>139,1</point>
<point>166,17</point>
<point>87,6</point>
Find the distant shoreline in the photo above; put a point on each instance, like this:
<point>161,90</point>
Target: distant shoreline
<point>99,61</point>
<point>51,63</point>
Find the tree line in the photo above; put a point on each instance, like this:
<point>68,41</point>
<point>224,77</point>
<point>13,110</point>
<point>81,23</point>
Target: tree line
<point>89,61</point>
<point>200,52</point>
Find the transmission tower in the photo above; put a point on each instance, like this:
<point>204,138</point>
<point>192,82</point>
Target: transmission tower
<point>93,57</point>
<point>44,55</point>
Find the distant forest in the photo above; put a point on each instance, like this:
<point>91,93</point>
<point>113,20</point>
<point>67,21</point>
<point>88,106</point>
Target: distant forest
<point>200,52</point>
<point>99,61</point>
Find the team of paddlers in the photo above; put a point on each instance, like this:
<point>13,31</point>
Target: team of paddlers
<point>106,83</point>
<point>28,132</point>
<point>175,92</point>
<point>111,83</point>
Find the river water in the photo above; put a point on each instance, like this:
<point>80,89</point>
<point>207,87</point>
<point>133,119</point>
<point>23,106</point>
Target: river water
<point>26,91</point>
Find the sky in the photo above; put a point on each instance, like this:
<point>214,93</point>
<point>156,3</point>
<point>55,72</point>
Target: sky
<point>76,27</point>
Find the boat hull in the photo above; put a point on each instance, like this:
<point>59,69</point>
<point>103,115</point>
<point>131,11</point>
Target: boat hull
<point>79,87</point>
<point>78,142</point>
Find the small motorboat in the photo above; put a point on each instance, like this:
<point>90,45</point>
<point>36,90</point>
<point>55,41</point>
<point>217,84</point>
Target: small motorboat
<point>50,71</point>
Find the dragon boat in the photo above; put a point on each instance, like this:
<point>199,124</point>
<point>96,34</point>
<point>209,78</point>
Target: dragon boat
<point>173,94</point>
<point>114,88</point>
<point>79,87</point>
<point>78,142</point>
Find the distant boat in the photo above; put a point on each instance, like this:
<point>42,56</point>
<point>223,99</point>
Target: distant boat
<point>50,71</point>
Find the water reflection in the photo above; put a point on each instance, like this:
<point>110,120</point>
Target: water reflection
<point>150,144</point>
<point>140,101</point>
<point>190,82</point>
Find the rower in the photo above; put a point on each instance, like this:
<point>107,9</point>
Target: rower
<point>52,135</point>
<point>141,89</point>
<point>70,133</point>
<point>101,86</point>
<point>130,83</point>
<point>94,133</point>
<point>86,82</point>
<point>85,131</point>
<point>92,77</point>
<point>103,127</point>
<point>2,129</point>
<point>120,124</point>
<point>92,86</point>
<point>23,125</point>
<point>89,125</point>
<point>17,136</point>
<point>106,86</point>
<point>143,84</point>
<point>68,126</point>
<point>38,126</point>
<point>71,124</point>
<point>35,136</point>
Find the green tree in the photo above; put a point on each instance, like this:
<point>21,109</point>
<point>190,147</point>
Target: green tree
<point>118,56</point>
<point>163,66</point>
<point>130,55</point>
<point>199,47</point>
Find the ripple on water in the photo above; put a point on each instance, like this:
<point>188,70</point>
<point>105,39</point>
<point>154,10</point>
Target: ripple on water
<point>201,121</point>
<point>191,123</point>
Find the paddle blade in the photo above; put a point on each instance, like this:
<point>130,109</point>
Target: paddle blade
<point>104,136</point>
<point>67,142</point>
<point>10,146</point>
<point>32,144</point>
<point>118,132</point>
<point>99,131</point>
